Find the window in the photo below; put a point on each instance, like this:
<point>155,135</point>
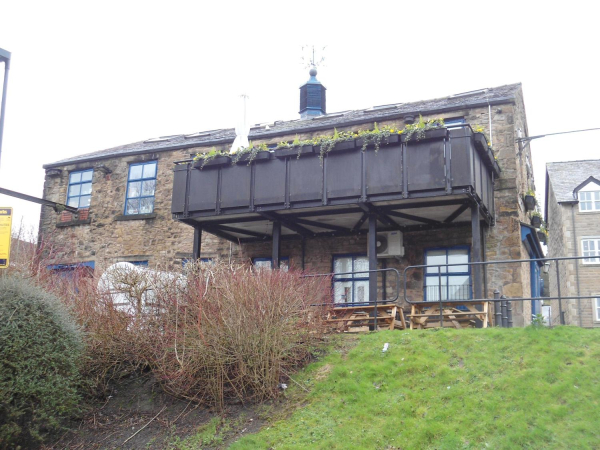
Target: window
<point>590,247</point>
<point>350,288</point>
<point>455,280</point>
<point>74,271</point>
<point>454,121</point>
<point>139,263</point>
<point>141,184</point>
<point>203,261</point>
<point>597,309</point>
<point>589,200</point>
<point>265,263</point>
<point>79,193</point>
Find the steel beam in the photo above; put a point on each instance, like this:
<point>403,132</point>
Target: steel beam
<point>56,206</point>
<point>383,218</point>
<point>237,230</point>
<point>359,224</point>
<point>372,252</point>
<point>326,226</point>
<point>413,218</point>
<point>476,250</point>
<point>456,213</point>
<point>275,257</point>
<point>197,243</point>
<point>221,234</point>
<point>287,223</point>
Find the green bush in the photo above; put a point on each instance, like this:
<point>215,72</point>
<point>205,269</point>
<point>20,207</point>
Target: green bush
<point>40,352</point>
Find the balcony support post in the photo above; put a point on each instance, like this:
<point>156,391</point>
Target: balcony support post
<point>372,251</point>
<point>197,243</point>
<point>476,250</point>
<point>275,256</point>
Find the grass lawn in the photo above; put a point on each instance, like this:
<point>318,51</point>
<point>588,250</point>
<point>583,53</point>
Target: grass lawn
<point>449,389</point>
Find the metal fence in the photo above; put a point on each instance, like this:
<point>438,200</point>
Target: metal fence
<point>449,292</point>
<point>503,301</point>
<point>462,294</point>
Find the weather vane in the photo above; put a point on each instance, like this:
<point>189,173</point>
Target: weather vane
<point>309,58</point>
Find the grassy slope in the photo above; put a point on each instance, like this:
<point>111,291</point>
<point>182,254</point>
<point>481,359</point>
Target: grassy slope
<point>493,388</point>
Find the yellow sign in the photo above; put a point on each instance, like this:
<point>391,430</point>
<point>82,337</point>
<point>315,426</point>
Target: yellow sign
<point>5,236</point>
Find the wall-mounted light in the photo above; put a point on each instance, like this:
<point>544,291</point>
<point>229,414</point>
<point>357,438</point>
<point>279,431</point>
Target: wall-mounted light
<point>546,267</point>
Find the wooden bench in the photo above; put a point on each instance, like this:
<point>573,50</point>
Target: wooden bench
<point>427,315</point>
<point>360,318</point>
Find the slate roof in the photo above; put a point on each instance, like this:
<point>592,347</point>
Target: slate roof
<point>566,176</point>
<point>497,95</point>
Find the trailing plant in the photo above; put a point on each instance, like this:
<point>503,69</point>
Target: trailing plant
<point>376,136</point>
<point>421,127</point>
<point>251,150</point>
<point>536,214</point>
<point>479,129</point>
<point>543,229</point>
<point>530,192</point>
<point>208,156</point>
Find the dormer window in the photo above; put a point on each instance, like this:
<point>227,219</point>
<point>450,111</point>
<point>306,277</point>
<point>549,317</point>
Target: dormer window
<point>589,197</point>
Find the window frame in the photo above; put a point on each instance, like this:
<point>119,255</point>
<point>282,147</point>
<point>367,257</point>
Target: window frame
<point>594,201</point>
<point>591,187</point>
<point>140,180</point>
<point>447,274</point>
<point>267,259</point>
<point>596,308</point>
<point>353,279</point>
<point>143,263</point>
<point>454,122</point>
<point>80,183</point>
<point>207,260</point>
<point>593,259</point>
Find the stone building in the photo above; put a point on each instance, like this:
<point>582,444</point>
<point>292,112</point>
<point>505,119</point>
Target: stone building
<point>132,208</point>
<point>572,214</point>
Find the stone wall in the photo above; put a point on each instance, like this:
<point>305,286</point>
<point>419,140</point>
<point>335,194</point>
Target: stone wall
<point>577,278</point>
<point>107,236</point>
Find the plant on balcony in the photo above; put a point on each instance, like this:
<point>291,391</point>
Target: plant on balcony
<point>530,200</point>
<point>543,233</point>
<point>421,127</point>
<point>479,129</point>
<point>208,156</point>
<point>536,219</point>
<point>251,150</point>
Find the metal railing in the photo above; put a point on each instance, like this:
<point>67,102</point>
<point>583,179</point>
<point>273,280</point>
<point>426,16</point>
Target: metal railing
<point>449,292</point>
<point>374,303</point>
<point>498,298</point>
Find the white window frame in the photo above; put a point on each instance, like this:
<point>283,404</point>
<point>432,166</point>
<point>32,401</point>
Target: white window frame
<point>593,191</point>
<point>596,308</point>
<point>595,257</point>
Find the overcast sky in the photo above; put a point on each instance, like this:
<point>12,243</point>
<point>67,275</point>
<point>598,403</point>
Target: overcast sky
<point>88,76</point>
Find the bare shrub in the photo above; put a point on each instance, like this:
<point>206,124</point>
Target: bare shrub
<point>213,333</point>
<point>233,332</point>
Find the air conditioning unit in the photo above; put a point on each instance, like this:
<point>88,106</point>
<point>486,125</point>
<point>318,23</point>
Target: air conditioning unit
<point>390,244</point>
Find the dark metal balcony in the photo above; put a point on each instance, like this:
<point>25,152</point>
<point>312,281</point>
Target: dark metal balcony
<point>450,165</point>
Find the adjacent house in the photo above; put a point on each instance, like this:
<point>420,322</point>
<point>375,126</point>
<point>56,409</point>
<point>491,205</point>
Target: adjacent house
<point>572,214</point>
<point>452,195</point>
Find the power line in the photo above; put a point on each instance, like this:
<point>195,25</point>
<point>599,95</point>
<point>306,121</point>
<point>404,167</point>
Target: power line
<point>525,139</point>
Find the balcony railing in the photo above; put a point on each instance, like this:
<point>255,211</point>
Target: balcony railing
<point>446,162</point>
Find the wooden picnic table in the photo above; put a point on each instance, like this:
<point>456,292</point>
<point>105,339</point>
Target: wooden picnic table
<point>360,318</point>
<point>427,314</point>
